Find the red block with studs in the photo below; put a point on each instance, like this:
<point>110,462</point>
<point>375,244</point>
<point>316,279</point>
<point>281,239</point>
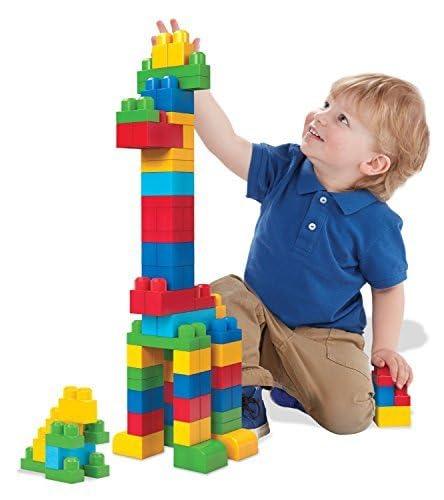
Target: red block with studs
<point>382,377</point>
<point>226,376</point>
<point>141,424</point>
<point>401,397</point>
<point>190,410</point>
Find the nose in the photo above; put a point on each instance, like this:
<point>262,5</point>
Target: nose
<point>320,117</point>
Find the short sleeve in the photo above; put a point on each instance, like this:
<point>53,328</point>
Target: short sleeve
<point>384,264</point>
<point>267,166</point>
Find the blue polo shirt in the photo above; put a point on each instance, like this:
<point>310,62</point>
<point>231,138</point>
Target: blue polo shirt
<point>312,249</point>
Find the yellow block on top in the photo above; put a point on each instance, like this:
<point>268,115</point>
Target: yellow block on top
<point>191,362</point>
<point>240,444</point>
<point>226,354</point>
<point>159,51</point>
<point>189,433</point>
<point>142,357</point>
<point>77,406</point>
<point>180,118</point>
<point>392,416</point>
<point>180,49</point>
<point>138,446</point>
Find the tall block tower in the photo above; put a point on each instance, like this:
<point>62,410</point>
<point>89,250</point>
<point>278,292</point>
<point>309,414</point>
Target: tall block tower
<point>184,353</point>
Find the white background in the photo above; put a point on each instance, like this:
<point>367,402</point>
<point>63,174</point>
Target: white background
<point>70,228</point>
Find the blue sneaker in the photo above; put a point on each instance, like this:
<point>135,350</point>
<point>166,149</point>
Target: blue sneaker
<point>282,398</point>
<point>254,415</point>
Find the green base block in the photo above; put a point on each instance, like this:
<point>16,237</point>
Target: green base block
<point>144,384</point>
<point>28,463</point>
<point>96,467</point>
<point>169,343</point>
<point>71,472</point>
<point>224,427</point>
<point>168,435</point>
<point>203,457</point>
<point>95,433</point>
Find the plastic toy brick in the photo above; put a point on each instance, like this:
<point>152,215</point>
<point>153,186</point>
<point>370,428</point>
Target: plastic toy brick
<point>191,409</point>
<point>192,76</point>
<point>401,397</point>
<point>225,427</point>
<point>203,457</point>
<point>168,413</point>
<point>188,136</point>
<point>180,49</point>
<point>382,377</point>
<point>96,466</point>
<point>38,445</point>
<point>148,166</point>
<point>226,354</point>
<point>384,396</point>
<point>168,370</point>
<point>177,277</point>
<point>168,96</point>
<point>141,135</point>
<point>168,326</point>
<point>95,433</point>
<point>392,416</point>
<point>167,184</point>
<point>139,447</point>
<point>168,393</point>
<point>71,472</point>
<point>221,309</point>
<point>145,384</point>
<point>168,355</point>
<point>159,51</point>
<point>65,436</point>
<point>180,118</point>
<point>224,330</point>
<point>137,110</point>
<point>145,401</point>
<point>183,343</point>
<point>167,219</point>
<point>142,357</point>
<point>28,463</point>
<point>168,435</point>
<point>226,399</point>
<point>56,455</point>
<point>189,433</point>
<point>192,386</point>
<point>77,406</point>
<point>144,373</point>
<point>141,424</point>
<point>226,376</point>
<point>239,444</point>
<point>167,254</point>
<point>191,362</point>
<point>164,154</point>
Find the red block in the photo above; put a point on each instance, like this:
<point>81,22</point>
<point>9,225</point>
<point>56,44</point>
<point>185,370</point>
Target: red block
<point>167,219</point>
<point>236,374</point>
<point>190,410</point>
<point>141,424</point>
<point>168,392</point>
<point>226,376</point>
<point>401,397</point>
<point>382,377</point>
<point>142,135</point>
<point>151,296</point>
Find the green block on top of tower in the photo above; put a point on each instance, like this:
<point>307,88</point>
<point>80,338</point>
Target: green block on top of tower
<point>137,110</point>
<point>192,76</point>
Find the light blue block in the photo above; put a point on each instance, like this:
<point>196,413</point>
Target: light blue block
<point>384,396</point>
<point>168,254</point>
<point>166,326</point>
<point>177,277</point>
<point>55,455</point>
<point>167,183</point>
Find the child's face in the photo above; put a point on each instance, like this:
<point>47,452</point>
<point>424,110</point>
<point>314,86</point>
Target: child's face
<point>345,142</point>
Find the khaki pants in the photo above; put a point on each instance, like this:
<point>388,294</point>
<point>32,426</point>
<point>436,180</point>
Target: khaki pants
<point>324,368</point>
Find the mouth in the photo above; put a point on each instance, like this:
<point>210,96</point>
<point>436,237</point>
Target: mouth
<point>312,132</point>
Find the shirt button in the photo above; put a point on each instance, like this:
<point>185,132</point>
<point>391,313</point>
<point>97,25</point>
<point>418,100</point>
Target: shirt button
<point>323,200</point>
<point>312,226</point>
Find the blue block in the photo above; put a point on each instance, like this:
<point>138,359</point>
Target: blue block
<point>191,386</point>
<point>224,330</point>
<point>226,399</point>
<point>384,396</point>
<point>167,183</point>
<point>54,455</point>
<point>177,277</point>
<point>168,254</point>
<point>143,401</point>
<point>168,96</point>
<point>168,414</point>
<point>166,326</point>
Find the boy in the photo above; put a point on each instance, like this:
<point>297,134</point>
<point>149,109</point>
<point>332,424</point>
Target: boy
<point>324,230</point>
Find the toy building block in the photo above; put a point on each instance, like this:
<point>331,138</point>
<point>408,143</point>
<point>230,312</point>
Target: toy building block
<point>240,444</point>
<point>149,166</point>
<point>138,110</point>
<point>177,277</point>
<point>226,376</point>
<point>203,457</point>
<point>167,183</point>
<point>188,136</point>
<point>382,377</point>
<point>192,386</point>
<point>226,354</point>
<point>401,397</point>
<point>179,49</point>
<point>168,96</point>
<point>141,424</point>
<point>164,154</point>
<point>145,401</point>
<point>77,405</point>
<point>65,436</point>
<point>55,455</point>
<point>224,330</point>
<point>384,395</point>
<point>168,435</point>
<point>168,372</point>
<point>190,433</point>
<point>71,472</point>
<point>141,379</point>
<point>226,399</point>
<point>167,254</point>
<point>142,357</point>
<point>180,118</point>
<point>221,309</point>
<point>96,466</point>
<point>159,51</point>
<point>95,433</point>
<point>169,325</point>
<point>393,416</point>
<point>139,447</point>
<point>191,362</point>
<point>191,409</point>
<point>28,463</point>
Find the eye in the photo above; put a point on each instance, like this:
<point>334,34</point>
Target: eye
<point>343,119</point>
<point>326,105</point>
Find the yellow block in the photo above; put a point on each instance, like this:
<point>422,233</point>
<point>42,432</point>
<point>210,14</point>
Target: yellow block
<point>167,370</point>
<point>38,445</point>
<point>168,153</point>
<point>142,357</point>
<point>180,118</point>
<point>188,136</point>
<point>159,51</point>
<point>138,446</point>
<point>180,49</point>
<point>392,416</point>
<point>77,406</point>
<point>189,363</point>
<point>167,165</point>
<point>221,311</point>
<point>226,354</point>
<point>240,444</point>
<point>189,433</point>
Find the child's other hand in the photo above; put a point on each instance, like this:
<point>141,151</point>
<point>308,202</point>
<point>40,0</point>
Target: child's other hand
<point>174,27</point>
<point>400,370</point>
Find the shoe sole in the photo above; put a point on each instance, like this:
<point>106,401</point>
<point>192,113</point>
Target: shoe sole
<point>261,431</point>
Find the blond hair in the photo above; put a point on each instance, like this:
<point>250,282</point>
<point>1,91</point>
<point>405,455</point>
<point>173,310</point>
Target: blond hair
<point>397,118</point>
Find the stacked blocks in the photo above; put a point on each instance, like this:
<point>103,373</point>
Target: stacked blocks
<point>184,354</point>
<point>392,404</point>
<point>65,448</point>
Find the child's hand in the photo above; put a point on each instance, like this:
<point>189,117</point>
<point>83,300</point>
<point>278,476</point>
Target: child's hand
<point>174,27</point>
<point>400,370</point>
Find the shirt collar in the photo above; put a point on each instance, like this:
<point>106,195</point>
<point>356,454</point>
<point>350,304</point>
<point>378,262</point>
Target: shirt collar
<point>348,201</point>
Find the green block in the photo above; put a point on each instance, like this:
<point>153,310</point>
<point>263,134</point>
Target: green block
<point>224,427</point>
<point>137,110</point>
<point>226,416</point>
<point>95,433</point>
<point>168,354</point>
<point>27,463</point>
<point>144,373</point>
<point>203,457</point>
<point>71,472</point>
<point>96,466</point>
<point>144,384</point>
<point>196,82</point>
<point>65,436</point>
<point>168,435</point>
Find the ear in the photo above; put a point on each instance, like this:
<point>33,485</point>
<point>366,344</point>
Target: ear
<point>376,166</point>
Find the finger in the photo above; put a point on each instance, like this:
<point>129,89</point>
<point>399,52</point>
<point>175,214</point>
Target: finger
<point>410,377</point>
<point>161,26</point>
<point>402,374</point>
<point>393,366</point>
<point>153,40</point>
<point>174,25</point>
<point>196,44</point>
<point>379,362</point>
